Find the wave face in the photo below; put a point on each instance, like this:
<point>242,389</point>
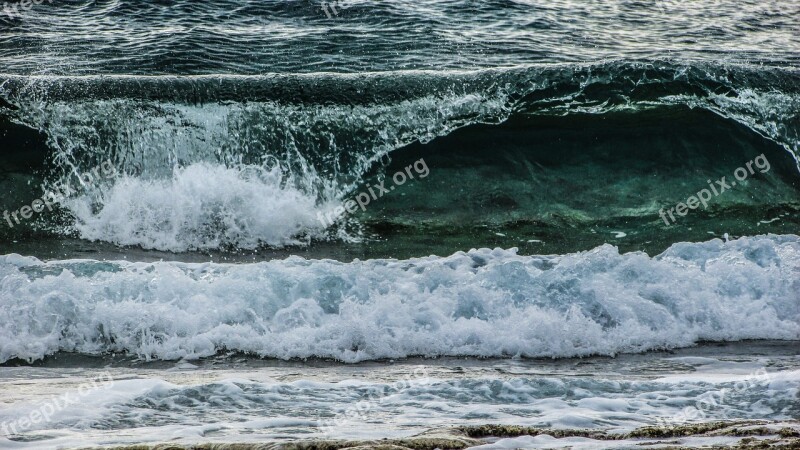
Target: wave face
<point>283,149</point>
<point>191,158</point>
<point>488,303</point>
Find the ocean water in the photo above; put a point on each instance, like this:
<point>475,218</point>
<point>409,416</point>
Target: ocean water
<point>232,221</point>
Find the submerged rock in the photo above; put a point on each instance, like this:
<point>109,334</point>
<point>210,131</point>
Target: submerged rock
<point>754,434</point>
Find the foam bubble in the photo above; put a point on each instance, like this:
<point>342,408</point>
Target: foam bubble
<point>203,206</point>
<point>490,303</point>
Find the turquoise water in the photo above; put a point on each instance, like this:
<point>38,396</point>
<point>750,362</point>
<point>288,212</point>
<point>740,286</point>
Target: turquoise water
<point>251,216</point>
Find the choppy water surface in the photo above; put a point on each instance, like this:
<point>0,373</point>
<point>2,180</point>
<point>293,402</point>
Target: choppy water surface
<point>238,399</point>
<point>204,153</point>
<point>297,36</point>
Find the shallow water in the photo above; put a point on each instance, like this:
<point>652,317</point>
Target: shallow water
<point>243,399</point>
<point>515,172</point>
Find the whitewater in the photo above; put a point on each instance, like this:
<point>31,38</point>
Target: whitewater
<point>487,303</point>
<point>524,293</point>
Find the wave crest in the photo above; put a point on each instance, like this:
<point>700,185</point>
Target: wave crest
<point>326,131</point>
<point>489,303</point>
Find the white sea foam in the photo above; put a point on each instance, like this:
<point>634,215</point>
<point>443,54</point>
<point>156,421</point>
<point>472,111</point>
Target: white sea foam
<point>238,175</point>
<point>224,405</point>
<point>202,206</point>
<point>482,303</point>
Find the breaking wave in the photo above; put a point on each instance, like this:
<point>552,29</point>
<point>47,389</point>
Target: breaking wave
<point>317,135</point>
<point>486,303</point>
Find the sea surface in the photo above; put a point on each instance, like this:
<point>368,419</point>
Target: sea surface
<point>231,221</point>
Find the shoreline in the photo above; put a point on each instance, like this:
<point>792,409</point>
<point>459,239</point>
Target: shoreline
<point>728,434</point>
